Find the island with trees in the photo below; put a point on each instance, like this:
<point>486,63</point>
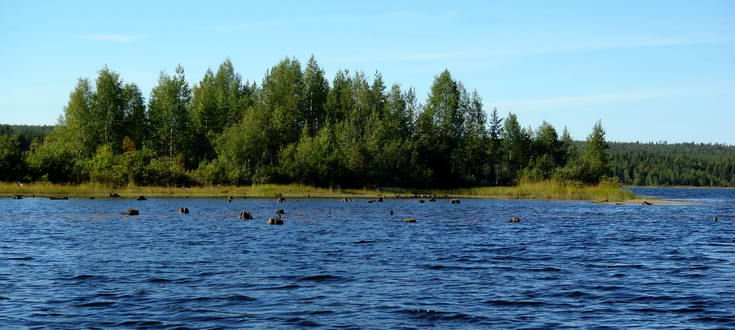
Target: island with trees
<point>297,128</point>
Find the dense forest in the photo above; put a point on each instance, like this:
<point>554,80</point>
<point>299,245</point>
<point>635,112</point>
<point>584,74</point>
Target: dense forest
<point>296,126</point>
<point>663,164</point>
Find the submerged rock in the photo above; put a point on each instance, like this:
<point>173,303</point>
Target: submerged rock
<point>132,212</point>
<point>141,198</point>
<point>454,201</point>
<point>409,220</point>
<point>245,215</point>
<point>514,219</point>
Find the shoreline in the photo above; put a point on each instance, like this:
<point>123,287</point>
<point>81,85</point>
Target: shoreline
<point>640,201</point>
<point>531,191</point>
<point>676,187</point>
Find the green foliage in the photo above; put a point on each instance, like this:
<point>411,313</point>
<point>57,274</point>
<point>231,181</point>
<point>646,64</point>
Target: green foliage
<point>168,111</point>
<point>516,143</point>
<point>106,168</point>
<point>58,159</point>
<point>27,134</point>
<point>12,164</point>
<point>665,164</point>
<point>297,127</point>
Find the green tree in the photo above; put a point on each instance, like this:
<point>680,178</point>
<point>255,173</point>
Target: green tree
<point>79,125</point>
<point>168,110</point>
<point>595,156</point>
<point>495,145</point>
<point>516,143</point>
<point>109,108</point>
<point>316,90</point>
<point>475,142</point>
<point>12,164</point>
<point>283,101</point>
<point>134,123</point>
<point>439,129</point>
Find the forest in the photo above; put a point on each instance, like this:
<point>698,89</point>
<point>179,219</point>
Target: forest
<point>682,164</point>
<point>297,127</point>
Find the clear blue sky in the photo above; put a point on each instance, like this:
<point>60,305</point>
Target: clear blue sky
<point>650,70</point>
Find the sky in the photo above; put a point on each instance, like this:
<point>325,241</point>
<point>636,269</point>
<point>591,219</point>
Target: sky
<point>651,71</point>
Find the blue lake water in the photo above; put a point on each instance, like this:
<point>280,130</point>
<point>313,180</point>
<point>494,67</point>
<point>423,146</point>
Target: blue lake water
<point>79,263</point>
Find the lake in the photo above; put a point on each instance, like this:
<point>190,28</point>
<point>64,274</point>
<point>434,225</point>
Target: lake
<point>80,263</point>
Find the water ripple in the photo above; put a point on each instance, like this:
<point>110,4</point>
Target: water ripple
<point>80,264</point>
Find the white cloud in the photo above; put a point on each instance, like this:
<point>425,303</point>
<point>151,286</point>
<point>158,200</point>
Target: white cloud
<point>111,37</point>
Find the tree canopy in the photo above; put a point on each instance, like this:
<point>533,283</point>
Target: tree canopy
<point>296,126</point>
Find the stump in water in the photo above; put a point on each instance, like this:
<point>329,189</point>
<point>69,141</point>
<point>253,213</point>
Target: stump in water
<point>245,215</point>
<point>184,210</point>
<point>281,199</point>
<point>274,221</point>
<point>646,203</point>
<point>114,195</point>
<point>132,212</point>
<point>380,199</point>
<point>421,200</point>
<point>18,197</point>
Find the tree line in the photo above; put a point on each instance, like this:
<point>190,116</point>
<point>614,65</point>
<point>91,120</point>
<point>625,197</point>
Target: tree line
<point>294,126</point>
<point>664,164</point>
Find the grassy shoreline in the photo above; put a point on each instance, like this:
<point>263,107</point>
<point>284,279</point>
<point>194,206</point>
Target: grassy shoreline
<point>540,190</point>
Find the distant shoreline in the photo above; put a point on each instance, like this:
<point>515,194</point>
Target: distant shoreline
<point>678,187</point>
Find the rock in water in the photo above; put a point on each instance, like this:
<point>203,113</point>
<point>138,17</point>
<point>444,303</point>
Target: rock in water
<point>141,198</point>
<point>409,220</point>
<point>245,215</point>
<point>132,212</point>
<point>184,210</point>
<point>274,221</point>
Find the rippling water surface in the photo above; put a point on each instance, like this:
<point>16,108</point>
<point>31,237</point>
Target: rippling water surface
<point>80,263</point>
